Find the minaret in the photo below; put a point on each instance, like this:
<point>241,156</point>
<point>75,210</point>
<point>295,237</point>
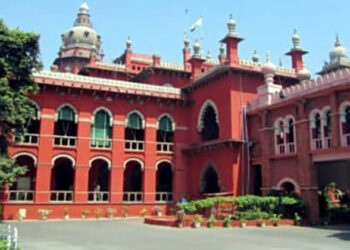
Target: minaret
<point>222,56</point>
<point>232,40</point>
<point>128,53</point>
<point>196,60</point>
<point>186,52</point>
<point>296,52</point>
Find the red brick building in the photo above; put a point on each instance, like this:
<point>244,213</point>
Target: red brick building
<point>141,132</point>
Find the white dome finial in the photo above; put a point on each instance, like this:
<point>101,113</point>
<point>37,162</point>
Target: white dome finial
<point>296,39</point>
<point>231,25</point>
<point>268,67</point>
<point>128,43</point>
<point>84,8</point>
<point>186,41</point>
<point>339,51</point>
<point>255,57</point>
<point>196,48</point>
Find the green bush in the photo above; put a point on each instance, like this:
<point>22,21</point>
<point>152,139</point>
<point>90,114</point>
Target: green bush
<point>285,205</point>
<point>3,246</point>
<point>253,215</point>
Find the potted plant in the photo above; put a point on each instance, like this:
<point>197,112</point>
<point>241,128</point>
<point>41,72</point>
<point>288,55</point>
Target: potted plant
<point>211,221</point>
<point>157,210</point>
<point>44,213</point>
<point>197,220</point>
<point>111,212</point>
<point>180,217</point>
<point>261,223</point>
<point>85,213</point>
<point>242,223</point>
<point>66,213</point>
<point>276,220</point>
<point>125,211</point>
<point>227,221</point>
<point>297,219</point>
<point>143,212</point>
<point>98,213</point>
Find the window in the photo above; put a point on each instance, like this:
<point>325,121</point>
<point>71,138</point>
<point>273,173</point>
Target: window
<point>134,128</point>
<point>65,127</point>
<point>320,124</point>
<point>345,123</point>
<point>101,130</point>
<point>165,135</point>
<point>285,135</point>
<point>210,129</point>
<point>32,127</point>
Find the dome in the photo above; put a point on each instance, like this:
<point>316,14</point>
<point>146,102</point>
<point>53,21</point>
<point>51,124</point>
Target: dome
<point>338,51</point>
<point>304,74</point>
<point>82,34</point>
<point>268,67</point>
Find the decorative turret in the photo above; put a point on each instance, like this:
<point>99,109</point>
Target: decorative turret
<point>296,52</point>
<point>222,56</point>
<point>266,91</point>
<point>80,44</point>
<point>186,52</point>
<point>186,42</point>
<point>196,49</point>
<point>128,43</point>
<point>232,39</point>
<point>304,74</point>
<point>255,57</point>
<point>196,60</point>
<point>338,58</point>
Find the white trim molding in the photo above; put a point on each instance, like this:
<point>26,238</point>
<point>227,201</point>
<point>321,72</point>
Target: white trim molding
<point>99,157</point>
<point>71,107</point>
<point>287,179</point>
<point>173,124</point>
<point>71,158</point>
<point>133,159</point>
<point>30,155</point>
<point>104,109</point>
<point>137,112</point>
<point>166,161</point>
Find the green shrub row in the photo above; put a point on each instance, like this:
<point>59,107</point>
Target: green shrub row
<point>287,206</point>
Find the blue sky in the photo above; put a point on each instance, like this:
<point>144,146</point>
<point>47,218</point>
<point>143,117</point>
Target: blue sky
<point>158,26</point>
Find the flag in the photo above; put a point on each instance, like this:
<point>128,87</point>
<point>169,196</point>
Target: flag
<point>196,24</point>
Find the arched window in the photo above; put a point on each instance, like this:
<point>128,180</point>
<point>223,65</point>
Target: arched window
<point>210,128</point>
<point>287,187</point>
<point>62,180</point>
<point>165,134</point>
<point>327,126</point>
<point>290,130</point>
<point>210,181</point>
<point>101,130</point>
<point>317,127</point>
<point>134,132</point>
<point>285,142</point>
<point>164,182</point>
<point>345,123</point>
<point>279,136</point>
<point>132,181</point>
<point>32,127</point>
<point>65,127</point>
<point>99,180</point>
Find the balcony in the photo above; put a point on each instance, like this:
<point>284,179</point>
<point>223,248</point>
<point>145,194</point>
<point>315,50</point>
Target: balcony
<point>321,143</point>
<point>287,148</point>
<point>61,196</point>
<point>65,141</point>
<point>29,139</point>
<point>346,140</point>
<point>98,197</point>
<point>165,147</point>
<point>132,197</point>
<point>20,196</point>
<point>101,143</point>
<point>164,197</point>
<point>133,145</point>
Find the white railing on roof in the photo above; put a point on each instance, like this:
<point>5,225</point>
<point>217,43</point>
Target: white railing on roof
<point>172,65</point>
<point>108,82</point>
<point>141,59</point>
<point>111,65</point>
<point>285,70</point>
<point>213,61</point>
<point>249,63</point>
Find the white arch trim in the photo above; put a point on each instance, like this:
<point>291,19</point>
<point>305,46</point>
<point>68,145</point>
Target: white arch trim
<point>137,112</point>
<point>104,109</point>
<point>342,110</point>
<point>171,119</point>
<point>287,179</point>
<point>133,159</point>
<point>109,164</point>
<point>35,159</point>
<point>167,161</point>
<point>201,113</point>
<point>70,106</point>
<point>71,158</point>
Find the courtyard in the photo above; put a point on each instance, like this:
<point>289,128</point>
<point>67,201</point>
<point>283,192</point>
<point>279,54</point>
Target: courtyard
<point>131,233</point>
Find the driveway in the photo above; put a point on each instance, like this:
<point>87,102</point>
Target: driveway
<point>132,234</point>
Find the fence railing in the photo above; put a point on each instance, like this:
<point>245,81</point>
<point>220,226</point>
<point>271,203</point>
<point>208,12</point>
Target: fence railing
<point>321,143</point>
<point>290,148</point>
<point>133,145</point>
<point>100,142</point>
<point>286,148</point>
<point>20,196</point>
<point>280,149</point>
<point>346,140</point>
<point>29,139</point>
<point>61,196</point>
<point>164,197</point>
<point>98,197</point>
<point>65,141</point>
<point>165,147</point>
<point>132,197</point>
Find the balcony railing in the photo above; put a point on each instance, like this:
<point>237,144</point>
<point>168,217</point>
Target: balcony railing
<point>164,197</point>
<point>133,145</point>
<point>290,148</point>
<point>20,196</point>
<point>29,139</point>
<point>287,148</point>
<point>132,197</point>
<point>346,140</point>
<point>98,197</point>
<point>101,143</point>
<point>65,141</point>
<point>61,196</point>
<point>321,143</point>
<point>165,147</point>
<point>280,149</point>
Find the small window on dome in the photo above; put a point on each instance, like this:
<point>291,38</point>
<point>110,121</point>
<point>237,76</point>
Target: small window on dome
<point>86,33</point>
<point>168,84</point>
<point>71,33</point>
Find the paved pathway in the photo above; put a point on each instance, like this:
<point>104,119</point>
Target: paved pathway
<point>132,234</point>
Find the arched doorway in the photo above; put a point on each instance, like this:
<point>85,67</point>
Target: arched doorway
<point>23,188</point>
<point>99,181</point>
<point>210,181</point>
<point>210,128</point>
<point>287,187</point>
<point>62,180</point>
<point>164,182</point>
<point>132,181</point>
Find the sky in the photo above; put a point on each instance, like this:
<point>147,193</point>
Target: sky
<point>158,27</point>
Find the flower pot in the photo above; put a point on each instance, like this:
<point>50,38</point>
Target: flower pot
<point>243,224</point>
<point>83,217</point>
<point>66,216</point>
<point>159,214</point>
<point>197,225</point>
<point>262,224</point>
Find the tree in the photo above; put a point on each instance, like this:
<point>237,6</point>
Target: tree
<point>19,57</point>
